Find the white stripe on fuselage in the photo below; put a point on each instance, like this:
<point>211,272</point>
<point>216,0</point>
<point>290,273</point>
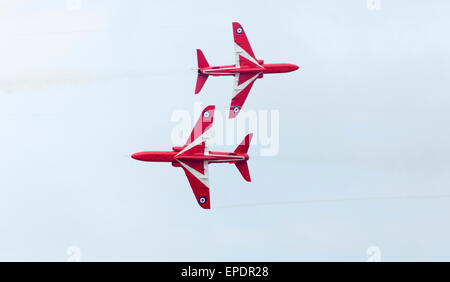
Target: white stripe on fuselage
<point>220,69</point>
<point>228,156</point>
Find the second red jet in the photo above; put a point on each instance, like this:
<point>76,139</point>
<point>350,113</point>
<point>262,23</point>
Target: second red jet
<point>195,156</point>
<point>246,70</point>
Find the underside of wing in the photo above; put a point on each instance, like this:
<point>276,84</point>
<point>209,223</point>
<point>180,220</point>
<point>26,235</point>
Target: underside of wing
<point>242,86</point>
<point>243,51</point>
<point>197,174</point>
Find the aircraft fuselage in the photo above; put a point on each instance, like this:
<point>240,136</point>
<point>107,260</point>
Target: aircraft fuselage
<point>233,70</point>
<point>172,156</point>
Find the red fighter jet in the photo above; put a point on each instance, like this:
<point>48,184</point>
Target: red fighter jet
<point>246,70</point>
<point>195,156</point>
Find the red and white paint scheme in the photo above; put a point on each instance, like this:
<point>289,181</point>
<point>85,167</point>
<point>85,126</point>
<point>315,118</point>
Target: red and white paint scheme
<point>246,70</point>
<point>194,157</point>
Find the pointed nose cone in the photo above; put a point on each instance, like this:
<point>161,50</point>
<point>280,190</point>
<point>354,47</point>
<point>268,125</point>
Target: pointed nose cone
<point>294,67</point>
<point>137,156</point>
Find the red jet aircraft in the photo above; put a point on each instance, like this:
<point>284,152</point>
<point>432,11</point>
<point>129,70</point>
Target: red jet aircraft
<point>246,70</point>
<point>194,157</point>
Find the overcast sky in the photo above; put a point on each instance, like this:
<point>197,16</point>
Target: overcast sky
<point>364,152</point>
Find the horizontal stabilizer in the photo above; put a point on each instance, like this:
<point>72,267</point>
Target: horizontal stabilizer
<point>201,80</point>
<point>243,169</point>
<point>202,62</point>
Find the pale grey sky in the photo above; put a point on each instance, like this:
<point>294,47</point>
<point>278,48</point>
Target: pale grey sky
<point>364,138</point>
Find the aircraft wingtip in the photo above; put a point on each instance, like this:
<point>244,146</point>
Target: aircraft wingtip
<point>210,108</point>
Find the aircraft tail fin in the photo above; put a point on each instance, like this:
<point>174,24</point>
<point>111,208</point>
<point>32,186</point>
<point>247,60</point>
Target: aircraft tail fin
<point>243,169</point>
